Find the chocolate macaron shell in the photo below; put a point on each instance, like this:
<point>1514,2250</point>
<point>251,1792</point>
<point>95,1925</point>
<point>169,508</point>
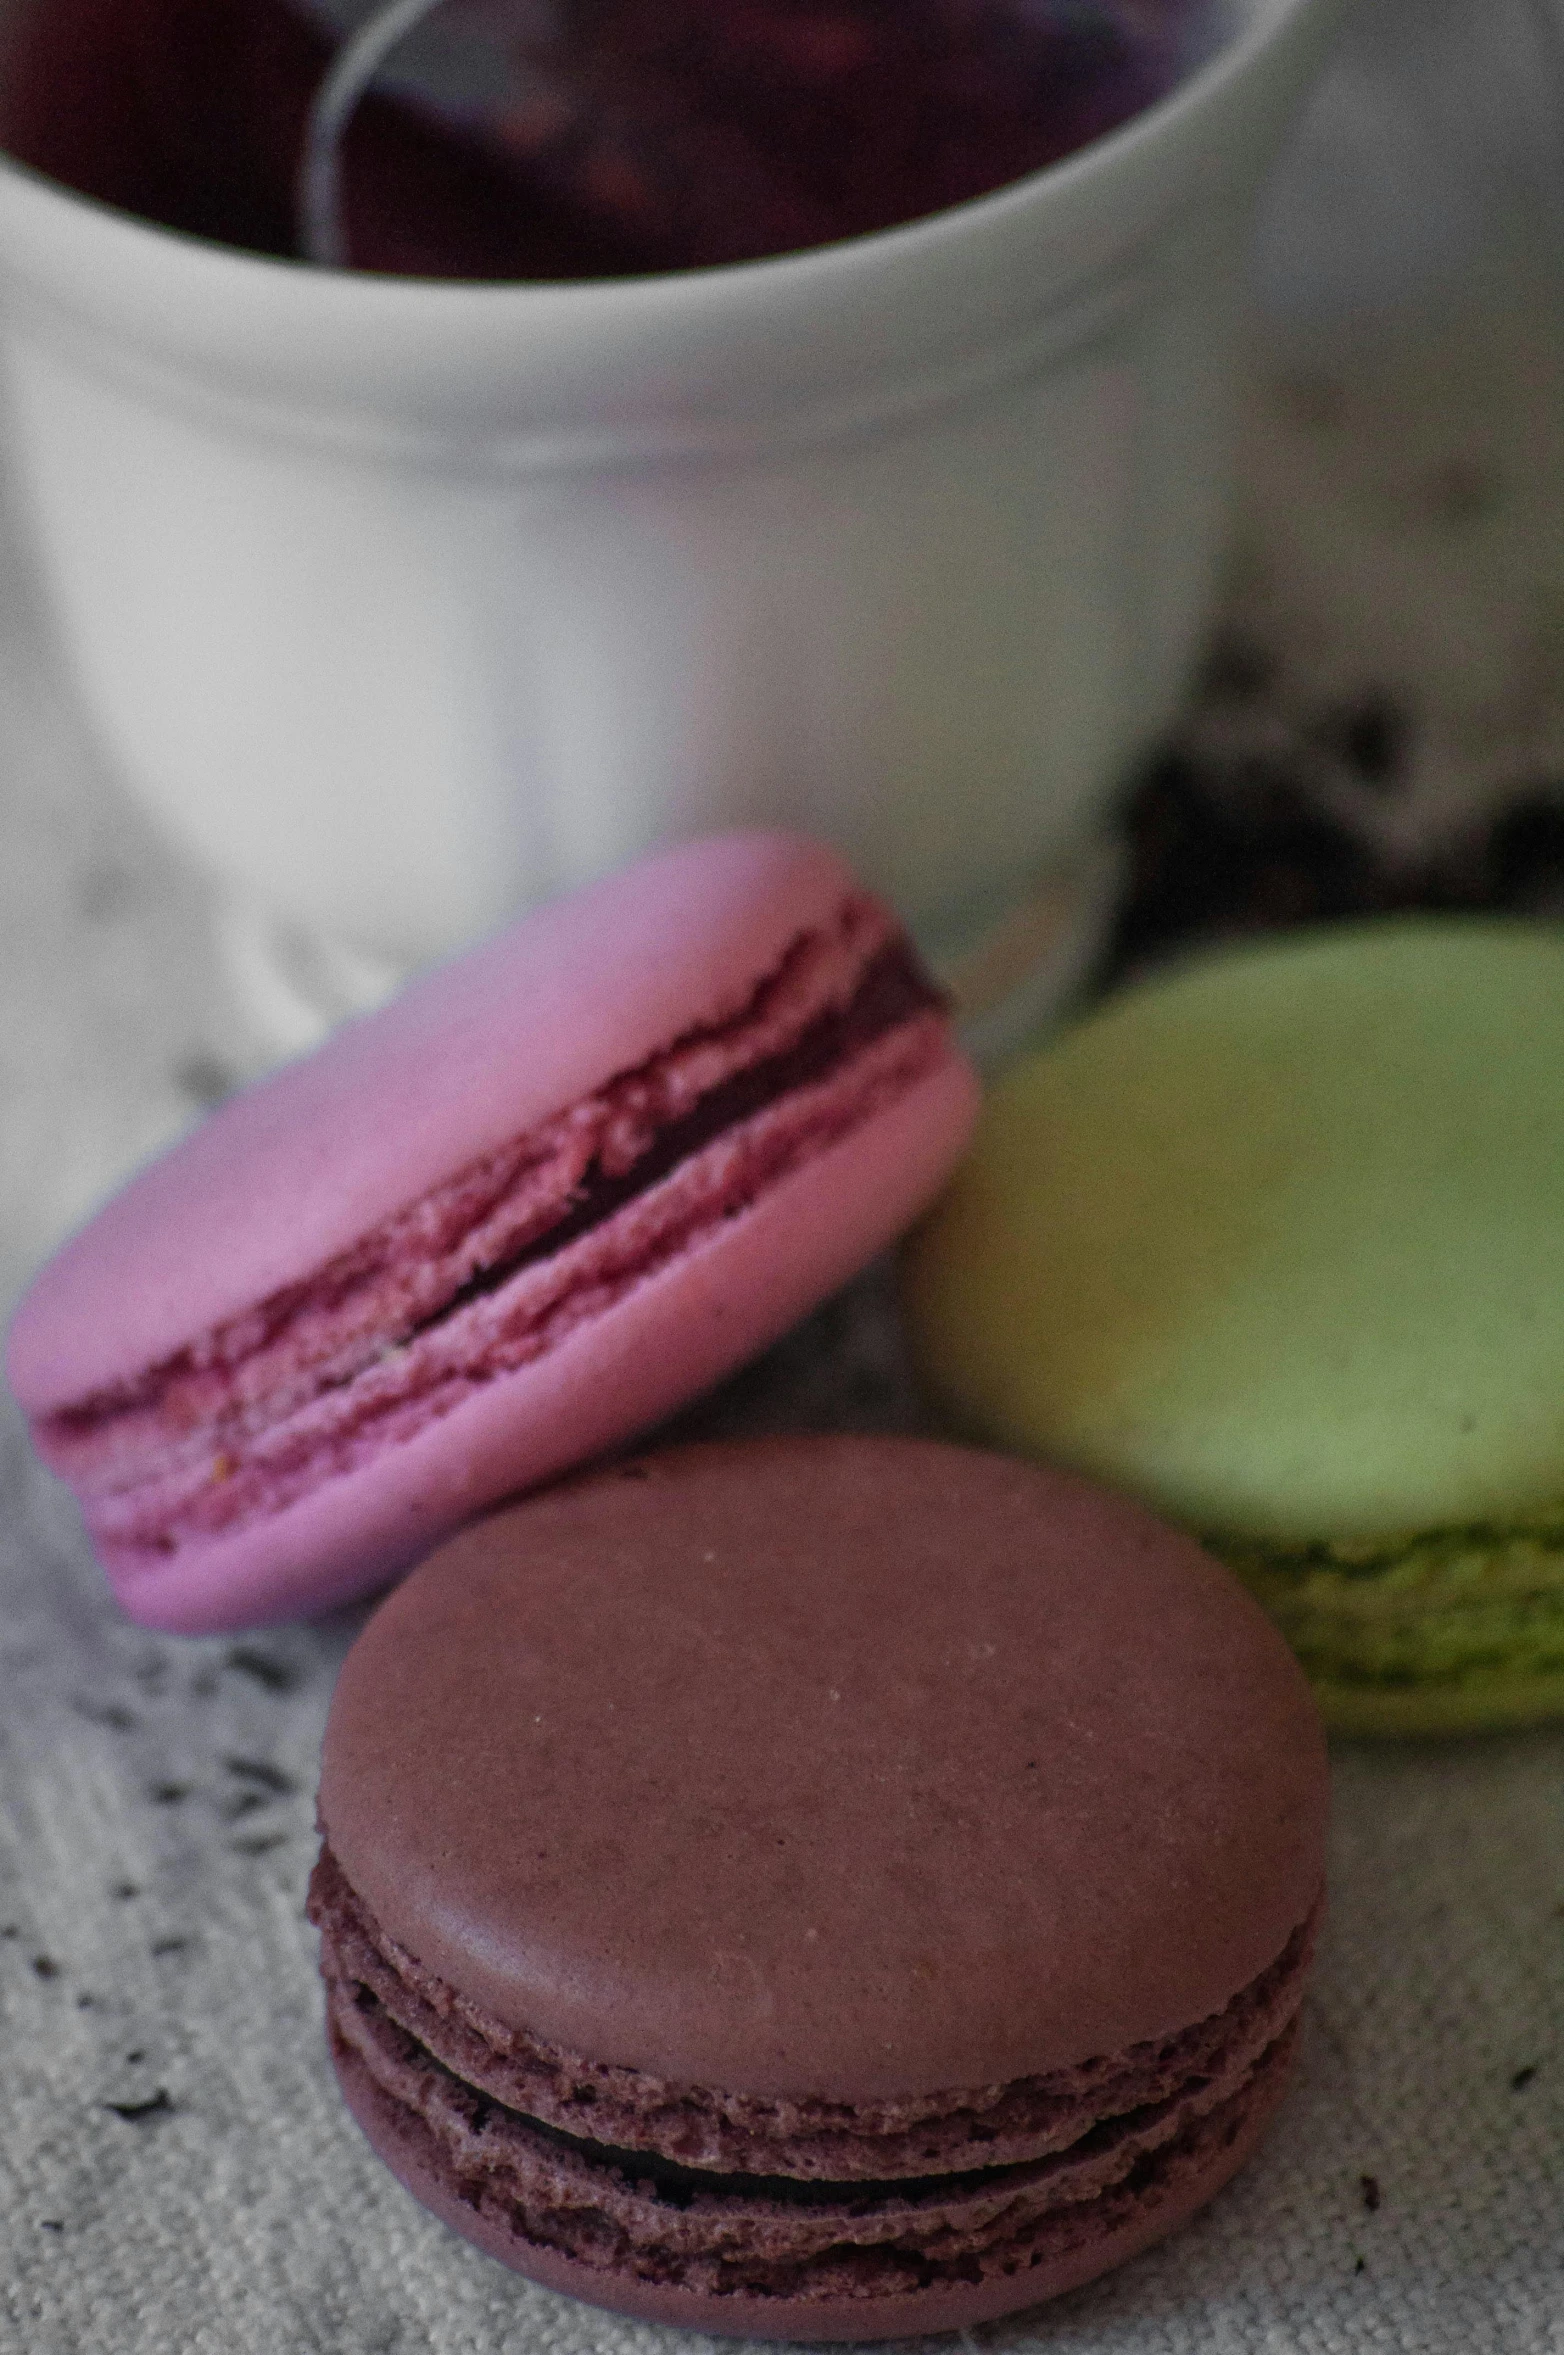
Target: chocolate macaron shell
<point>818,1888</point>
<point>290,1173</point>
<point>760,1768</point>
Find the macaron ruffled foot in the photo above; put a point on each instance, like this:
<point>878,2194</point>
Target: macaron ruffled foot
<point>1460,1631</point>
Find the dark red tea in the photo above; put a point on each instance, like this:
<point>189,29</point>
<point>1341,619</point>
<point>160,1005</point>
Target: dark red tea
<point>644,135</point>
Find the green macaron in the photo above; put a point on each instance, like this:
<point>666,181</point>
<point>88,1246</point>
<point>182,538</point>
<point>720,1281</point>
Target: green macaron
<point>1276,1241</point>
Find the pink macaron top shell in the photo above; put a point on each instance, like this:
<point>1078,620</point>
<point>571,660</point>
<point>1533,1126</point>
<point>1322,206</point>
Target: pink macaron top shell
<point>290,1173</point>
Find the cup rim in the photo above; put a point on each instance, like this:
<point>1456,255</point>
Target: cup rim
<point>699,364</point>
<point>928,237</point>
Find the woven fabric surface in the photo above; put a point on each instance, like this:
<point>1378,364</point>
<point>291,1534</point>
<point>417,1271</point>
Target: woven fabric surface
<point>176,2171</point>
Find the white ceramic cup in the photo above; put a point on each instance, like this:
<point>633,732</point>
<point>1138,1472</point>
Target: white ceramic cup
<point>405,604</point>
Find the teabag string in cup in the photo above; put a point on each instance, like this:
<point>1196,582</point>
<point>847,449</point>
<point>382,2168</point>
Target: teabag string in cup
<point>321,235</point>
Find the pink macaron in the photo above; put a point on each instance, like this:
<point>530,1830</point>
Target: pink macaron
<point>551,1192</point>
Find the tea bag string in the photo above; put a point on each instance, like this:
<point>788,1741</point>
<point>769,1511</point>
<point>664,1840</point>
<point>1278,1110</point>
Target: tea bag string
<point>322,235</point>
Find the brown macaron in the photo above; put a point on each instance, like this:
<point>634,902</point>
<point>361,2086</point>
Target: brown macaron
<point>819,1888</point>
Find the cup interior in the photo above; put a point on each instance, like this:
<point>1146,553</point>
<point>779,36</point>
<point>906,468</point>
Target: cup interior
<point>460,163</point>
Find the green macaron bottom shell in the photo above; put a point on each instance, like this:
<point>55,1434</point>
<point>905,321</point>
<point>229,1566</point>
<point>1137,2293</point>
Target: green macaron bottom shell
<point>1455,1631</point>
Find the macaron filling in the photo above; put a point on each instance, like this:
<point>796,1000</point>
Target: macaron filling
<point>496,1265</point>
<point>723,2192</point>
<point>1468,1624</point>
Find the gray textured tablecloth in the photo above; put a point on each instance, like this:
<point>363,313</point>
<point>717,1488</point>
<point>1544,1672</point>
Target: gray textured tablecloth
<point>176,2172</point>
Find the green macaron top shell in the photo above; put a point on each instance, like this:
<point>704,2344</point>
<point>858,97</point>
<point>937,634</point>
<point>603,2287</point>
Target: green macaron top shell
<point>1277,1240</point>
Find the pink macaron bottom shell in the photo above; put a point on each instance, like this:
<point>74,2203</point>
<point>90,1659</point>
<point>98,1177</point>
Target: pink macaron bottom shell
<point>732,1286</point>
<point>1072,2248</point>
